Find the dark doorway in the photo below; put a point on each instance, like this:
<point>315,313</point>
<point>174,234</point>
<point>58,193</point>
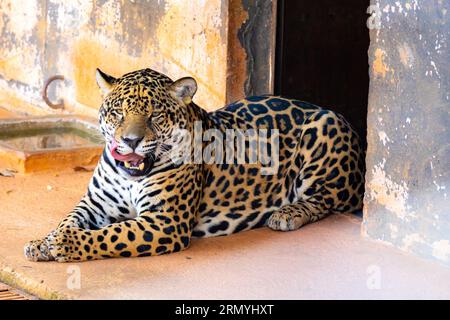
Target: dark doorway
<point>322,56</point>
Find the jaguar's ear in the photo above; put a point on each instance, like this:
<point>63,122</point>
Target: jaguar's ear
<point>104,81</point>
<point>183,89</point>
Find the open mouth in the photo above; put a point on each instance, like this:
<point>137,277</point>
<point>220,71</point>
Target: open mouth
<point>133,164</point>
<point>136,168</point>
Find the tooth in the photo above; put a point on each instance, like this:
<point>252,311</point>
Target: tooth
<point>141,166</point>
<point>127,164</point>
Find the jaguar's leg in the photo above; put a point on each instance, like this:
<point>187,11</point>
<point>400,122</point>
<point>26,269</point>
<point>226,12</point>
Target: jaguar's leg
<point>82,216</point>
<point>38,250</point>
<point>92,212</point>
<point>148,235</point>
<point>166,225</point>
<point>293,216</point>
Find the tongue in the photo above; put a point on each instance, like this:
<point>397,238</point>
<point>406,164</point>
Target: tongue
<point>131,157</point>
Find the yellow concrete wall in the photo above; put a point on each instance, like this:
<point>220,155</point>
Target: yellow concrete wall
<point>72,37</point>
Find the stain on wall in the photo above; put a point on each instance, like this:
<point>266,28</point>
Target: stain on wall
<point>22,31</point>
<point>251,48</point>
<point>408,157</point>
<point>237,56</point>
<point>257,37</point>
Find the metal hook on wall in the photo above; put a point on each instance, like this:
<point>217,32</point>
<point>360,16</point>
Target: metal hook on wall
<point>60,104</point>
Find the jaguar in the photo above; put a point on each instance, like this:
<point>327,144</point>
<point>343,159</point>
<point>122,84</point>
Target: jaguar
<point>140,202</point>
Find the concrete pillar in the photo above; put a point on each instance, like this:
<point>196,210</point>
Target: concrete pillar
<point>408,158</point>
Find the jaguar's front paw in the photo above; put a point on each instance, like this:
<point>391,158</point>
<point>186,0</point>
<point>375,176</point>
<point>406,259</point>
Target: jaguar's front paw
<point>62,245</point>
<point>37,250</point>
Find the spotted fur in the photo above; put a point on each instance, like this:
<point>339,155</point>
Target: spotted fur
<point>320,172</point>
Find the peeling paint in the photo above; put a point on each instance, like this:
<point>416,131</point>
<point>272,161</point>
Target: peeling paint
<point>411,240</point>
<point>383,137</point>
<point>19,51</point>
<point>22,18</point>
<point>388,193</point>
<point>406,55</point>
<point>433,64</point>
<point>441,250</point>
<point>379,66</point>
<point>394,230</point>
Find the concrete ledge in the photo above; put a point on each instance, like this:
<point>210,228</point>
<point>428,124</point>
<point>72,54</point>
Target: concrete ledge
<point>28,284</point>
<point>327,260</point>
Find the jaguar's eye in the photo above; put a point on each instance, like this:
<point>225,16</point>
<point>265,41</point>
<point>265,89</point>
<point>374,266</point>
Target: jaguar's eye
<point>156,116</point>
<point>114,116</point>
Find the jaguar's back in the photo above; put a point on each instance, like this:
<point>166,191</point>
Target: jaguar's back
<point>316,170</point>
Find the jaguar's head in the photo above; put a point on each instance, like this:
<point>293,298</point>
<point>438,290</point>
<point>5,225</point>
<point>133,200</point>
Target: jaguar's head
<point>139,114</point>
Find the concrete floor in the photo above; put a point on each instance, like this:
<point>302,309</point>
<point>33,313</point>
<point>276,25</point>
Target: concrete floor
<point>326,260</point>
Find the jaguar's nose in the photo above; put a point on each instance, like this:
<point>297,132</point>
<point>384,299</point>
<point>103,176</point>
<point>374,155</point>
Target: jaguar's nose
<point>132,142</point>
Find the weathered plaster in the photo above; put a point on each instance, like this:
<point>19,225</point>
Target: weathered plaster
<point>408,156</point>
<point>195,45</point>
<point>72,37</point>
<point>20,41</point>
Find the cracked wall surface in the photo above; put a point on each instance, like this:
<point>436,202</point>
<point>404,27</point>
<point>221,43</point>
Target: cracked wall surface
<point>408,157</point>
